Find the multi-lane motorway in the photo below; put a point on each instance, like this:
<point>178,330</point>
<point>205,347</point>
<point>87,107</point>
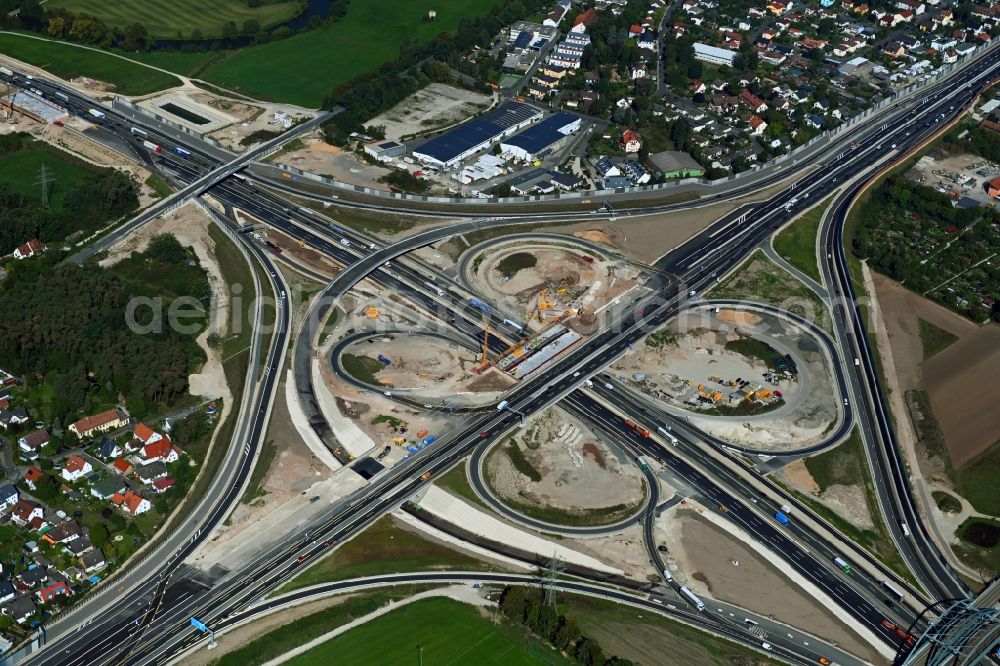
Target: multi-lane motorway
<point>149,622</point>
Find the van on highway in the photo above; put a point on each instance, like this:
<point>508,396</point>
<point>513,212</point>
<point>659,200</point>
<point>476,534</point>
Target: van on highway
<point>345,242</point>
<point>588,383</point>
<point>766,646</point>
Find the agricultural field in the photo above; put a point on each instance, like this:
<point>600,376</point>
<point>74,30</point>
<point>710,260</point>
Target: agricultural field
<point>69,61</point>
<point>303,69</point>
<point>173,18</point>
<point>445,631</point>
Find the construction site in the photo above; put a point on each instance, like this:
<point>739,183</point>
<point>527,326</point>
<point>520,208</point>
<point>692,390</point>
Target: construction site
<point>743,376</point>
<point>544,281</point>
<point>556,467</point>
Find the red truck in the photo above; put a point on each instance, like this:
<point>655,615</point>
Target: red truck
<point>638,428</point>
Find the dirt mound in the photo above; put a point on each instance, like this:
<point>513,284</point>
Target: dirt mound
<point>739,318</point>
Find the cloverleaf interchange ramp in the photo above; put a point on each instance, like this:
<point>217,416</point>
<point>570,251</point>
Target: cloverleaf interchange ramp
<point>727,249</point>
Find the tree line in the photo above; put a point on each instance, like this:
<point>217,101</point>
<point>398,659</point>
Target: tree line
<point>87,205</point>
<point>526,607</point>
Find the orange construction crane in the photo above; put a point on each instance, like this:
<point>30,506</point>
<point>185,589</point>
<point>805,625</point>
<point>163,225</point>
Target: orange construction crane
<point>486,342</point>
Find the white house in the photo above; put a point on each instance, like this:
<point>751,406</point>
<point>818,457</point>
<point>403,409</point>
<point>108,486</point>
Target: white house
<point>76,468</point>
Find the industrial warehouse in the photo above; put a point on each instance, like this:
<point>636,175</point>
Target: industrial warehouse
<point>539,140</point>
<point>450,148</point>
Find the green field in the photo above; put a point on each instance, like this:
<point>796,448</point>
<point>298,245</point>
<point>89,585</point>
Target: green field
<point>445,631</point>
<point>797,242</point>
<point>21,171</point>
<point>304,69</point>
<point>167,18</point>
<point>383,548</point>
<point>304,628</point>
<point>68,61</point>
<point>976,481</point>
<point>934,339</point>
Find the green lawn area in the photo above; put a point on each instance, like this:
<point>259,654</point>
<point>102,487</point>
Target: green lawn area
<point>362,368</point>
<point>68,61</point>
<point>21,170</point>
<point>980,545</point>
<point>946,501</point>
<point>302,630</point>
<point>383,548</point>
<point>753,348</point>
<point>797,242</point>
<point>934,339</point>
<point>456,481</point>
<point>167,18</point>
<point>304,68</point>
<point>846,464</point>
<point>444,630</point>
<point>843,464</point>
<point>976,481</point>
<point>759,279</point>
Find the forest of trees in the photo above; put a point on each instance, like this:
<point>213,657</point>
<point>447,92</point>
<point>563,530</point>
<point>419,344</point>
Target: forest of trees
<point>65,328</point>
<point>87,205</point>
<point>526,607</point>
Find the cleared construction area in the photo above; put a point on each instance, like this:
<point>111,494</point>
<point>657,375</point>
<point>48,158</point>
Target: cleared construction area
<point>557,470</point>
<point>748,377</point>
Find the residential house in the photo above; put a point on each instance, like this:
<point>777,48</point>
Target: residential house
<point>13,417</point>
<point>32,442</point>
<point>131,502</point>
<point>151,472</point>
<point>34,575</point>
<point>122,466</point>
<point>24,512</point>
<point>55,590</point>
<point>78,547</point>
<point>756,104</point>
<point>757,125</point>
<point>106,488</point>
<point>32,477</point>
<point>893,50</point>
<point>19,608</point>
<point>166,483</point>
<point>109,448</point>
<point>32,248</point>
<point>64,532</point>
<point>75,468</point>
<point>615,182</point>
<point>99,423</point>
<point>606,167</point>
<point>7,591</point>
<point>92,561</point>
<point>159,450</point>
<point>635,172</point>
<point>8,497</point>
<point>630,141</point>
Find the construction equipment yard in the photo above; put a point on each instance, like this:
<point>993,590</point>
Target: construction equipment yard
<point>747,377</point>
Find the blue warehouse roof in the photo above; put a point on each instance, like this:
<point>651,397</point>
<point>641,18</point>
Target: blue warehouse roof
<point>487,127</point>
<point>544,134</point>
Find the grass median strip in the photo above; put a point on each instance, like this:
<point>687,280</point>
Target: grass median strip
<point>797,242</point>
